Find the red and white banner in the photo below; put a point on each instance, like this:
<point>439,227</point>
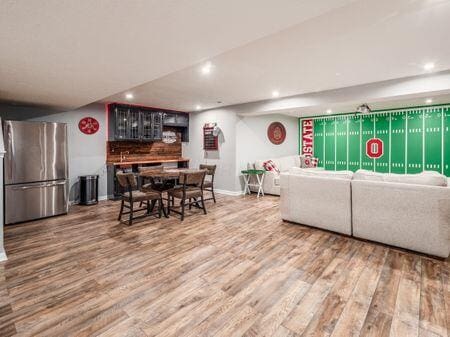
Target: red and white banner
<point>308,137</point>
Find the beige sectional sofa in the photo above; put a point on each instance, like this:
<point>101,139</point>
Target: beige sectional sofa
<point>317,198</point>
<point>407,211</point>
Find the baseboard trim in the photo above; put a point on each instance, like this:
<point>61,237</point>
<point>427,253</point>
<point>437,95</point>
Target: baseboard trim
<point>3,255</point>
<point>226,192</point>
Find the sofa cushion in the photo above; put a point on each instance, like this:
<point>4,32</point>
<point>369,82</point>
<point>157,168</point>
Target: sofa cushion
<point>318,172</point>
<point>368,175</point>
<point>282,163</point>
<point>429,178</point>
<point>285,163</point>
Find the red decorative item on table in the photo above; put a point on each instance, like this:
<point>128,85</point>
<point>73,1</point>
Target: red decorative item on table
<point>270,166</point>
<point>88,125</point>
<point>276,133</point>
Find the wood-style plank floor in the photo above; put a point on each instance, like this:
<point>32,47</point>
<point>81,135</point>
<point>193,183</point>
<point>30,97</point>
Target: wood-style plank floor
<point>238,271</point>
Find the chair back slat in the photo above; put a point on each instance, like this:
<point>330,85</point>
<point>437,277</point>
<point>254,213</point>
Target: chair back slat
<point>210,169</point>
<point>126,179</point>
<point>192,178</point>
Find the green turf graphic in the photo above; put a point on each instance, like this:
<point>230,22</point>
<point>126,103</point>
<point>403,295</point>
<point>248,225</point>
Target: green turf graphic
<point>414,140</point>
<point>382,131</point>
<point>330,141</point>
<point>398,142</point>
<point>354,142</point>
<point>367,124</point>
<point>446,152</point>
<point>433,139</point>
<point>341,143</point>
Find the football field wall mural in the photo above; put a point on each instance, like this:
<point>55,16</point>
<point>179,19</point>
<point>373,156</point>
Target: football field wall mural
<point>408,140</point>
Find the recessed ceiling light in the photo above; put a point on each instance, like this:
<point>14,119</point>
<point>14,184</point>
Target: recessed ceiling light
<point>129,96</point>
<point>206,69</point>
<point>329,111</point>
<point>428,101</point>
<point>275,93</point>
<point>428,66</point>
<point>198,107</point>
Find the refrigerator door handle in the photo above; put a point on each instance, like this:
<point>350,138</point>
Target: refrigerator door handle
<point>21,188</point>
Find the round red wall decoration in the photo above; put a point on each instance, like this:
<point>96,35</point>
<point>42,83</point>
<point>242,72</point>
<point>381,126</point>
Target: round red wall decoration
<point>88,125</point>
<point>276,133</point>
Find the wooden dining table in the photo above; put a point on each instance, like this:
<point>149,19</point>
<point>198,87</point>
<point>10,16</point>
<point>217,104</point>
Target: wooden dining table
<point>166,174</point>
<point>163,180</point>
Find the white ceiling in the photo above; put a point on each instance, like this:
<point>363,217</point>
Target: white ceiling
<point>68,53</point>
<point>362,42</point>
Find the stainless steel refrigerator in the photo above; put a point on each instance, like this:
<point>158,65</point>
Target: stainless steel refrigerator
<point>36,170</point>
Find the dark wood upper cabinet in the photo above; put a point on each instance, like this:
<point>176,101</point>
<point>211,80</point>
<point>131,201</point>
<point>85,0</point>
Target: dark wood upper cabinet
<point>176,119</point>
<point>144,124</point>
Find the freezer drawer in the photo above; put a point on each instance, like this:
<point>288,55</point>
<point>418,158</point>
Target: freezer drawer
<point>33,201</point>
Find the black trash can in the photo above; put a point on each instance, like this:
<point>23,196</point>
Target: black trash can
<point>88,190</point>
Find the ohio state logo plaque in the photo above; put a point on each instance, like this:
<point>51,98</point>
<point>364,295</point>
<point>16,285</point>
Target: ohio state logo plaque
<point>374,148</point>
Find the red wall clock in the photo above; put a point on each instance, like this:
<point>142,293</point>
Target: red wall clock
<point>276,133</point>
<point>88,125</point>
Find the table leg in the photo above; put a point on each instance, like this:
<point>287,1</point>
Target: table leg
<point>164,209</point>
<point>247,181</point>
<point>260,184</point>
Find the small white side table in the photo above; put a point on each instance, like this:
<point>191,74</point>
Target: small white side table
<point>259,178</point>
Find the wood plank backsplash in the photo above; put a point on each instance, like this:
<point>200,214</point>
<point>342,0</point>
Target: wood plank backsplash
<point>142,150</point>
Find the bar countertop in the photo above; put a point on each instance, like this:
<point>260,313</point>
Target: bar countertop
<point>152,161</point>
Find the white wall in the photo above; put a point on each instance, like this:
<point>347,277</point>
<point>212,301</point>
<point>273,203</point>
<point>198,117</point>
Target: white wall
<point>225,157</point>
<point>244,140</point>
<point>87,153</point>
<point>253,143</point>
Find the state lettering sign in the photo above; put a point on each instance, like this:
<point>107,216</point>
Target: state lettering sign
<point>308,137</point>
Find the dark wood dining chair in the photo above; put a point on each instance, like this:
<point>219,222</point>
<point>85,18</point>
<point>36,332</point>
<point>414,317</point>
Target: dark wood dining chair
<point>208,185</point>
<point>190,190</point>
<point>128,183</point>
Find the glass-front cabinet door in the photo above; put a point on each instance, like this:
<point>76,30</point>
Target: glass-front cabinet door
<point>121,118</point>
<point>134,125</point>
<point>147,130</point>
<point>127,124</point>
<point>157,125</point>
